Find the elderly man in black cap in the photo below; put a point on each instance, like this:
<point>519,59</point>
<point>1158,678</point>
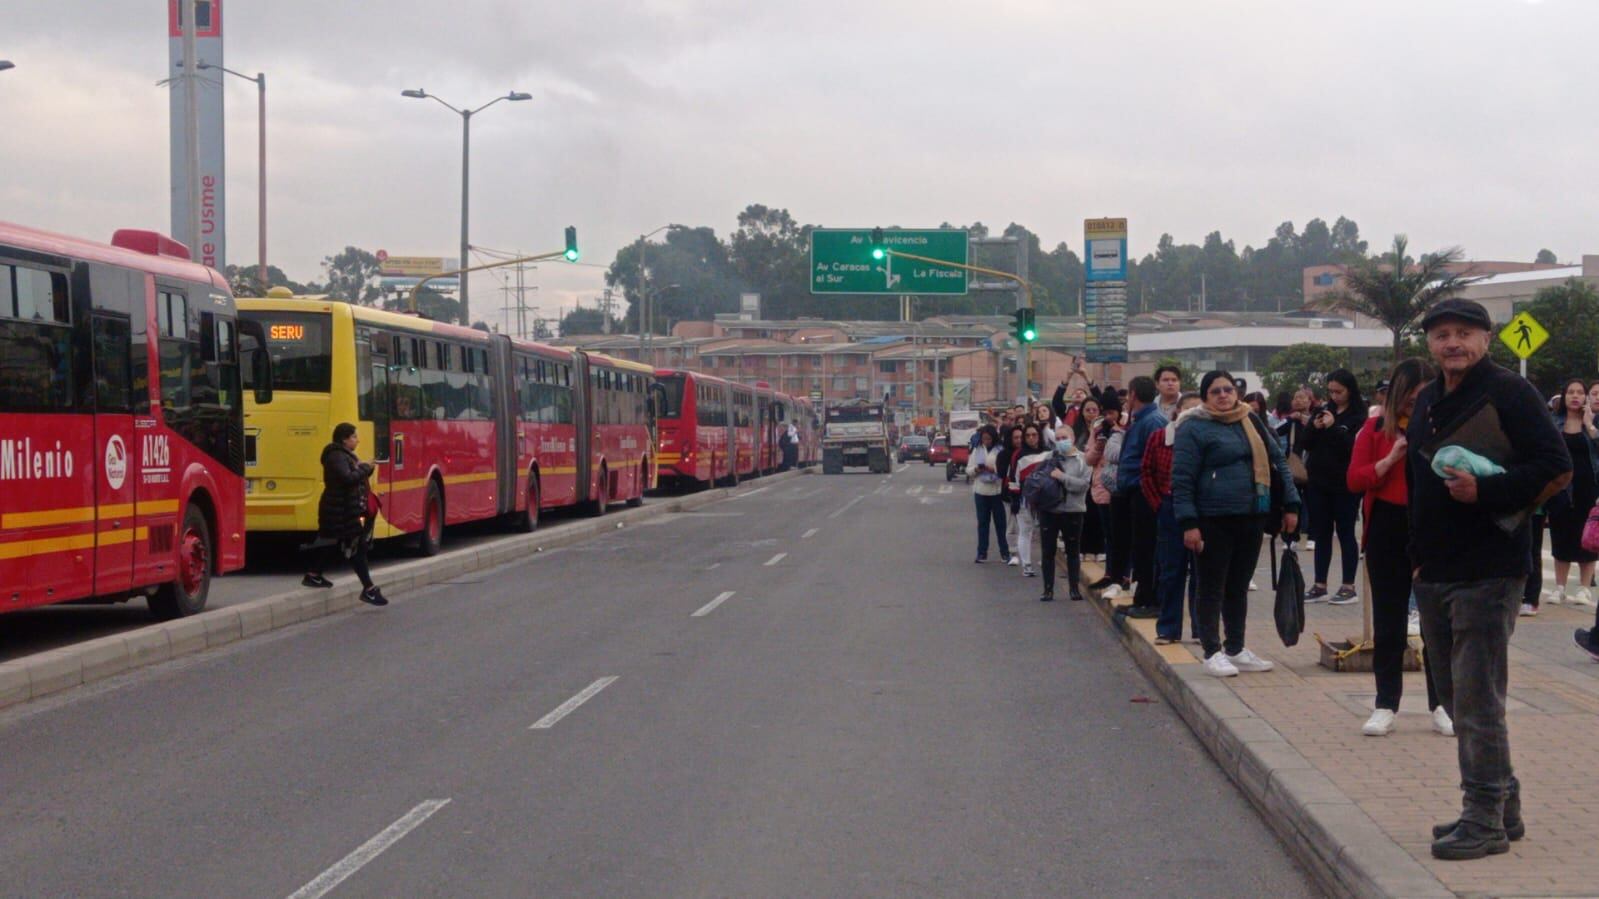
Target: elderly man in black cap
<point>1469,543</point>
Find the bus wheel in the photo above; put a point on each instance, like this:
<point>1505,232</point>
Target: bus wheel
<point>528,521</point>
<point>597,506</point>
<point>633,502</point>
<point>185,594</point>
<point>432,535</point>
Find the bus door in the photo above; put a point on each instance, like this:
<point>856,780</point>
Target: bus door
<point>507,446</point>
<point>125,451</point>
<point>375,400</point>
<point>407,482</point>
<point>584,430</point>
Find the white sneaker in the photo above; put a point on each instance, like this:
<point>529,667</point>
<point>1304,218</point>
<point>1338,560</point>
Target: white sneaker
<point>1014,560</point>
<point>1528,610</point>
<point>1113,591</point>
<point>1413,626</point>
<point>1380,724</point>
<point>1310,544</point>
<point>1218,666</point>
<point>1252,586</point>
<point>1581,598</point>
<point>1441,722</point>
<point>1554,597</point>
<point>1248,661</point>
<point>1027,571</point>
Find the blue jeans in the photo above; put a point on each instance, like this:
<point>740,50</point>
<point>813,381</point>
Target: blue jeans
<point>990,509</point>
<point>1174,568</point>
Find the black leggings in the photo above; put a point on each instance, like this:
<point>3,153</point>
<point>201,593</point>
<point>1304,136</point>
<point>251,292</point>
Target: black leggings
<point>1232,547</point>
<point>1068,525</point>
<point>1388,566</point>
<point>1334,510</point>
<point>333,555</point>
<point>1119,540</point>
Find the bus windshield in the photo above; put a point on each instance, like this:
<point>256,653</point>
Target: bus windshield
<point>672,387</point>
<point>301,345</point>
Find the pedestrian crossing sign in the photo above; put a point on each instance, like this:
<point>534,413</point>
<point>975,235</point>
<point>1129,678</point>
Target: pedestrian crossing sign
<point>1523,335</point>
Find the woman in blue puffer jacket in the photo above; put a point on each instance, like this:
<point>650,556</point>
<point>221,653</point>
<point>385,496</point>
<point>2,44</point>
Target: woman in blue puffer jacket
<point>1222,467</point>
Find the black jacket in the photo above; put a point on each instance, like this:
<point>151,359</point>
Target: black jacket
<point>343,503</point>
<point>1453,542</point>
<point>1327,450</point>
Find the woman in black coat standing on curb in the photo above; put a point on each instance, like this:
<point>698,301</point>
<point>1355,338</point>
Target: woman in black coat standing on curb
<point>342,518</point>
<point>1329,442</point>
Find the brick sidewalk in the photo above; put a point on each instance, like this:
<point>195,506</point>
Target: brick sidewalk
<point>1408,781</point>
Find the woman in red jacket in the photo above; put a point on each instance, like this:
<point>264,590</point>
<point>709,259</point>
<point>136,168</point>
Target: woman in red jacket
<point>1377,469</point>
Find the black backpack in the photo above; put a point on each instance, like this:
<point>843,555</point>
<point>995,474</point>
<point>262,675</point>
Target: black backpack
<point>1040,490</point>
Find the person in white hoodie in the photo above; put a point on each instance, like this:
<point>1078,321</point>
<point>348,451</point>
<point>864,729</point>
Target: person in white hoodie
<point>1063,520</point>
<point>1033,453</point>
<point>982,469</point>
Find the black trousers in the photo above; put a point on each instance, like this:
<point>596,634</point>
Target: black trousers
<point>1093,529</point>
<point>1533,591</point>
<point>1232,548</point>
<point>1388,565</point>
<point>333,555</point>
<point>1330,511</point>
<point>1066,526</point>
<point>1119,542</point>
<point>1142,539</point>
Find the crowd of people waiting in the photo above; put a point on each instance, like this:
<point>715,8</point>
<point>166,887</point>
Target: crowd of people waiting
<point>1455,471</point>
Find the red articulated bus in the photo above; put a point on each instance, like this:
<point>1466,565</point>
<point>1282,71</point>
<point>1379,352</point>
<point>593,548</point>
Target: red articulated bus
<point>121,422</point>
<point>461,424</point>
<point>696,424</point>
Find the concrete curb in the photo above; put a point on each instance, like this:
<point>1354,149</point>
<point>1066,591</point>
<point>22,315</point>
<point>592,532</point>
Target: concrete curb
<point>53,671</point>
<point>1341,846</point>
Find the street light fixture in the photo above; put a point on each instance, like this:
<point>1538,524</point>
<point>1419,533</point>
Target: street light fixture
<point>6,64</point>
<point>466,147</point>
<point>261,190</point>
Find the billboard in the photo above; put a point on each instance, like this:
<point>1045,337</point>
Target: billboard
<point>210,245</point>
<point>414,266</point>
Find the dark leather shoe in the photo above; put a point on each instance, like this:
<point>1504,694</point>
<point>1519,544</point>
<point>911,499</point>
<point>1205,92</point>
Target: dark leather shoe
<point>1077,595</point>
<point>1469,841</point>
<point>1142,612</point>
<point>1515,828</point>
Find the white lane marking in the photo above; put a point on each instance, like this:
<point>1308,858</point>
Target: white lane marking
<point>713,566</point>
<point>569,706</point>
<point>774,560</point>
<point>369,850</point>
<point>752,492</point>
<point>913,491</point>
<point>808,534</point>
<point>947,488</point>
<point>846,507</point>
<point>925,500</point>
<point>710,607</point>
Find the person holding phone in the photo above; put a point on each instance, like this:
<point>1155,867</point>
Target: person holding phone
<point>983,469</point>
<point>343,517</point>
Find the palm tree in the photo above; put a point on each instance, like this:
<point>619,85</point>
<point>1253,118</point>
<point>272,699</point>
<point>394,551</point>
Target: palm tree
<point>1398,291</point>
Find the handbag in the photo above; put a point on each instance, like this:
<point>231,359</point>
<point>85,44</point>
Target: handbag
<point>1590,531</point>
<point>1289,610</point>
<point>1296,467</point>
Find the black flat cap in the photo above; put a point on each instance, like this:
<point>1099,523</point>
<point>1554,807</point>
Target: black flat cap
<point>1468,311</point>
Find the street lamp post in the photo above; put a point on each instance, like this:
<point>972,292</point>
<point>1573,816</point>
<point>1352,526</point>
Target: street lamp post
<point>644,292</point>
<point>466,148</point>
<point>261,189</point>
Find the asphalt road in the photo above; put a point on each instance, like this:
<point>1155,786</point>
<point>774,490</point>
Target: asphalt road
<point>863,713</point>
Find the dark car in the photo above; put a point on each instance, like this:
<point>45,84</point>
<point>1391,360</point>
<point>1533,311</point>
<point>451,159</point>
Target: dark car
<point>914,446</point>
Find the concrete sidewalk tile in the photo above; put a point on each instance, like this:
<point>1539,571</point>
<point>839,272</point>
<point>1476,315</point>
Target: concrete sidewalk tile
<point>53,671</point>
<point>222,627</point>
<point>14,684</point>
<point>103,657</point>
<point>148,646</point>
<point>186,634</point>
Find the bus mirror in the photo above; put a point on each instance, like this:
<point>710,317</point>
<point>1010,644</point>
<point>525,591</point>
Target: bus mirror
<point>252,336</point>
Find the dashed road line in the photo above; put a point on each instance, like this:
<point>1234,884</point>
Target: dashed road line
<point>913,491</point>
<point>809,534</point>
<point>774,560</point>
<point>710,607</point>
<point>569,706</point>
<point>947,488</point>
<point>846,507</point>
<point>369,850</point>
<point>751,493</point>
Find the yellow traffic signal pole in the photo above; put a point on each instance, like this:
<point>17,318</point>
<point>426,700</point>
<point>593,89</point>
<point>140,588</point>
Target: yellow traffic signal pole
<point>478,268</point>
<point>1027,303</point>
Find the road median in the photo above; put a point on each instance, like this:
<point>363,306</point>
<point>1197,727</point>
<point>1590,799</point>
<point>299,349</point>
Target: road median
<point>56,670</point>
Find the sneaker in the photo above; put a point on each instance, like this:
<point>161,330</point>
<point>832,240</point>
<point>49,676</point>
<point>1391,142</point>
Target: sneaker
<point>1252,586</point>
<point>315,580</point>
<point>1141,611</point>
<point>373,596</point>
<point>1310,544</point>
<point>1581,598</point>
<point>1316,594</point>
<point>1102,584</point>
<point>1413,625</point>
<point>1076,595</point>
<point>1248,661</point>
<point>1113,591</point>
<point>1528,610</point>
<point>1441,722</point>
<point>980,559</point>
<point>1167,641</point>
<point>1584,638</point>
<point>1218,666</point>
<point>1344,596</point>
<point>1013,561</point>
<point>1553,597</point>
<point>1027,571</point>
<point>1380,724</point>
<point>1047,597</point>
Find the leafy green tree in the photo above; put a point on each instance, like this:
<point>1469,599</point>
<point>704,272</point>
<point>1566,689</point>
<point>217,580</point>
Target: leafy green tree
<point>1398,292</point>
<point>1302,363</point>
<point>352,276</point>
<point>1570,313</point>
<point>430,304</point>
<point>586,321</point>
<point>244,281</point>
<point>689,277</point>
<point>1546,257</point>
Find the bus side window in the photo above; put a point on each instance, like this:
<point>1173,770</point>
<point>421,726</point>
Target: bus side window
<point>112,339</point>
<point>36,362</point>
<point>172,323</point>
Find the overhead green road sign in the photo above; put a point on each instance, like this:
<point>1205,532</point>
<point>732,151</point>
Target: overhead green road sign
<point>842,262</point>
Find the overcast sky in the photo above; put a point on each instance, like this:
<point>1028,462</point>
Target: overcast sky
<point>1456,121</point>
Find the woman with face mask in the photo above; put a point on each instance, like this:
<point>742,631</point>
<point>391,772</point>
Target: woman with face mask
<point>1063,520</point>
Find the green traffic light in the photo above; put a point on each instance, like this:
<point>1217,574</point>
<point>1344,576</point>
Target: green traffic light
<point>1029,335</point>
<point>571,243</point>
<point>571,255</point>
<point>877,252</point>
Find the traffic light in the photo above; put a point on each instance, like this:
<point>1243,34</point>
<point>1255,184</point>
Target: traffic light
<point>571,243</point>
<point>879,250</point>
<point>1025,330</point>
